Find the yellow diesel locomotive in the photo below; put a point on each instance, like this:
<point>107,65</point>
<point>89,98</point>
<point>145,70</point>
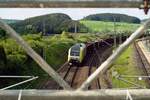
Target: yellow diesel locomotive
<point>76,53</point>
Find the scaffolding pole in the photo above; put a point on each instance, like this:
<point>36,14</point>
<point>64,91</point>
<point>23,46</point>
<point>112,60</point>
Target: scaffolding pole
<point>72,3</point>
<point>140,94</point>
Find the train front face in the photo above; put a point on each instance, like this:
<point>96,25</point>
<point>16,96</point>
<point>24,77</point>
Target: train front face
<point>75,54</point>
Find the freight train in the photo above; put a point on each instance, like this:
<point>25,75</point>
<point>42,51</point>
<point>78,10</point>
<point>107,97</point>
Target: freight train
<point>76,53</point>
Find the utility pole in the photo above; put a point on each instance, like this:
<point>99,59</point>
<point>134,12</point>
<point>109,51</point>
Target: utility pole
<point>146,39</point>
<point>44,28</point>
<point>43,34</point>
<point>120,37</point>
<point>115,44</point>
<point>75,27</point>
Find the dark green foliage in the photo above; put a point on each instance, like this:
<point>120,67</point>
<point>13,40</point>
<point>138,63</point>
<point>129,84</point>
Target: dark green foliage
<point>2,33</point>
<point>37,24</point>
<point>113,17</point>
<point>15,61</point>
<point>53,49</point>
<point>9,21</point>
<point>17,57</point>
<point>3,58</point>
<point>65,34</point>
<point>69,26</point>
<point>48,24</point>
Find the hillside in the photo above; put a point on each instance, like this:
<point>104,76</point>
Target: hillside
<point>144,20</point>
<point>49,24</point>
<point>113,17</point>
<point>108,27</point>
<point>10,21</point>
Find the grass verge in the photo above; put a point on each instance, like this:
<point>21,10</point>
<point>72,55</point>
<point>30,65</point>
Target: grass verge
<point>125,65</point>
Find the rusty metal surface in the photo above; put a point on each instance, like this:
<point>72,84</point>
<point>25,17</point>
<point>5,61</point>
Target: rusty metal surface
<point>72,3</point>
<point>75,95</point>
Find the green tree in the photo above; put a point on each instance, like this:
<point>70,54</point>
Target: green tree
<point>48,24</point>
<point>3,57</point>
<point>2,33</point>
<point>65,35</point>
<point>110,17</point>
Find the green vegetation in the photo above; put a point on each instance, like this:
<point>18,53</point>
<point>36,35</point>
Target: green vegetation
<point>108,27</point>
<point>111,17</point>
<point>2,34</point>
<point>54,49</point>
<point>10,21</point>
<point>49,24</point>
<point>125,65</point>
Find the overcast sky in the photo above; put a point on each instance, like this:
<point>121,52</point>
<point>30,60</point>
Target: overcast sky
<point>74,13</point>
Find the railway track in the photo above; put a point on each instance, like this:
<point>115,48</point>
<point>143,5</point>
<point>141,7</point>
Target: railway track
<point>93,60</point>
<point>145,64</point>
<point>93,66</point>
<point>76,75</point>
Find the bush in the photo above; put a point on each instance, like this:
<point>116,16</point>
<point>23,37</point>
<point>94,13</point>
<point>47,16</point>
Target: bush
<point>2,34</point>
<point>65,34</point>
<point>3,58</point>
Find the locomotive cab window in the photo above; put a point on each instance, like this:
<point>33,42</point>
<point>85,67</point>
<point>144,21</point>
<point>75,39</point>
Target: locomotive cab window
<point>75,50</point>
<point>75,53</point>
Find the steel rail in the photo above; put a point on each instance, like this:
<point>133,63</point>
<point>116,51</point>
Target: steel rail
<point>74,75</point>
<point>72,3</point>
<point>106,64</point>
<point>36,57</point>
<point>91,62</point>
<point>142,59</point>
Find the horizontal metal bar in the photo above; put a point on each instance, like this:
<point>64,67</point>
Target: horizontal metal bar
<point>137,94</point>
<point>71,0</point>
<point>127,76</point>
<point>72,3</point>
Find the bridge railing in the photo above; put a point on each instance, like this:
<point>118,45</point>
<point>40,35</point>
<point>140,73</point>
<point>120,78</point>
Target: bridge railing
<point>72,3</point>
<point>75,95</point>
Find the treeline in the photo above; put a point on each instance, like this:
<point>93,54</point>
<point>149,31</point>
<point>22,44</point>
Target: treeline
<point>111,17</point>
<point>49,24</point>
<point>54,49</point>
<point>57,23</point>
<point>9,21</point>
<point>2,33</point>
